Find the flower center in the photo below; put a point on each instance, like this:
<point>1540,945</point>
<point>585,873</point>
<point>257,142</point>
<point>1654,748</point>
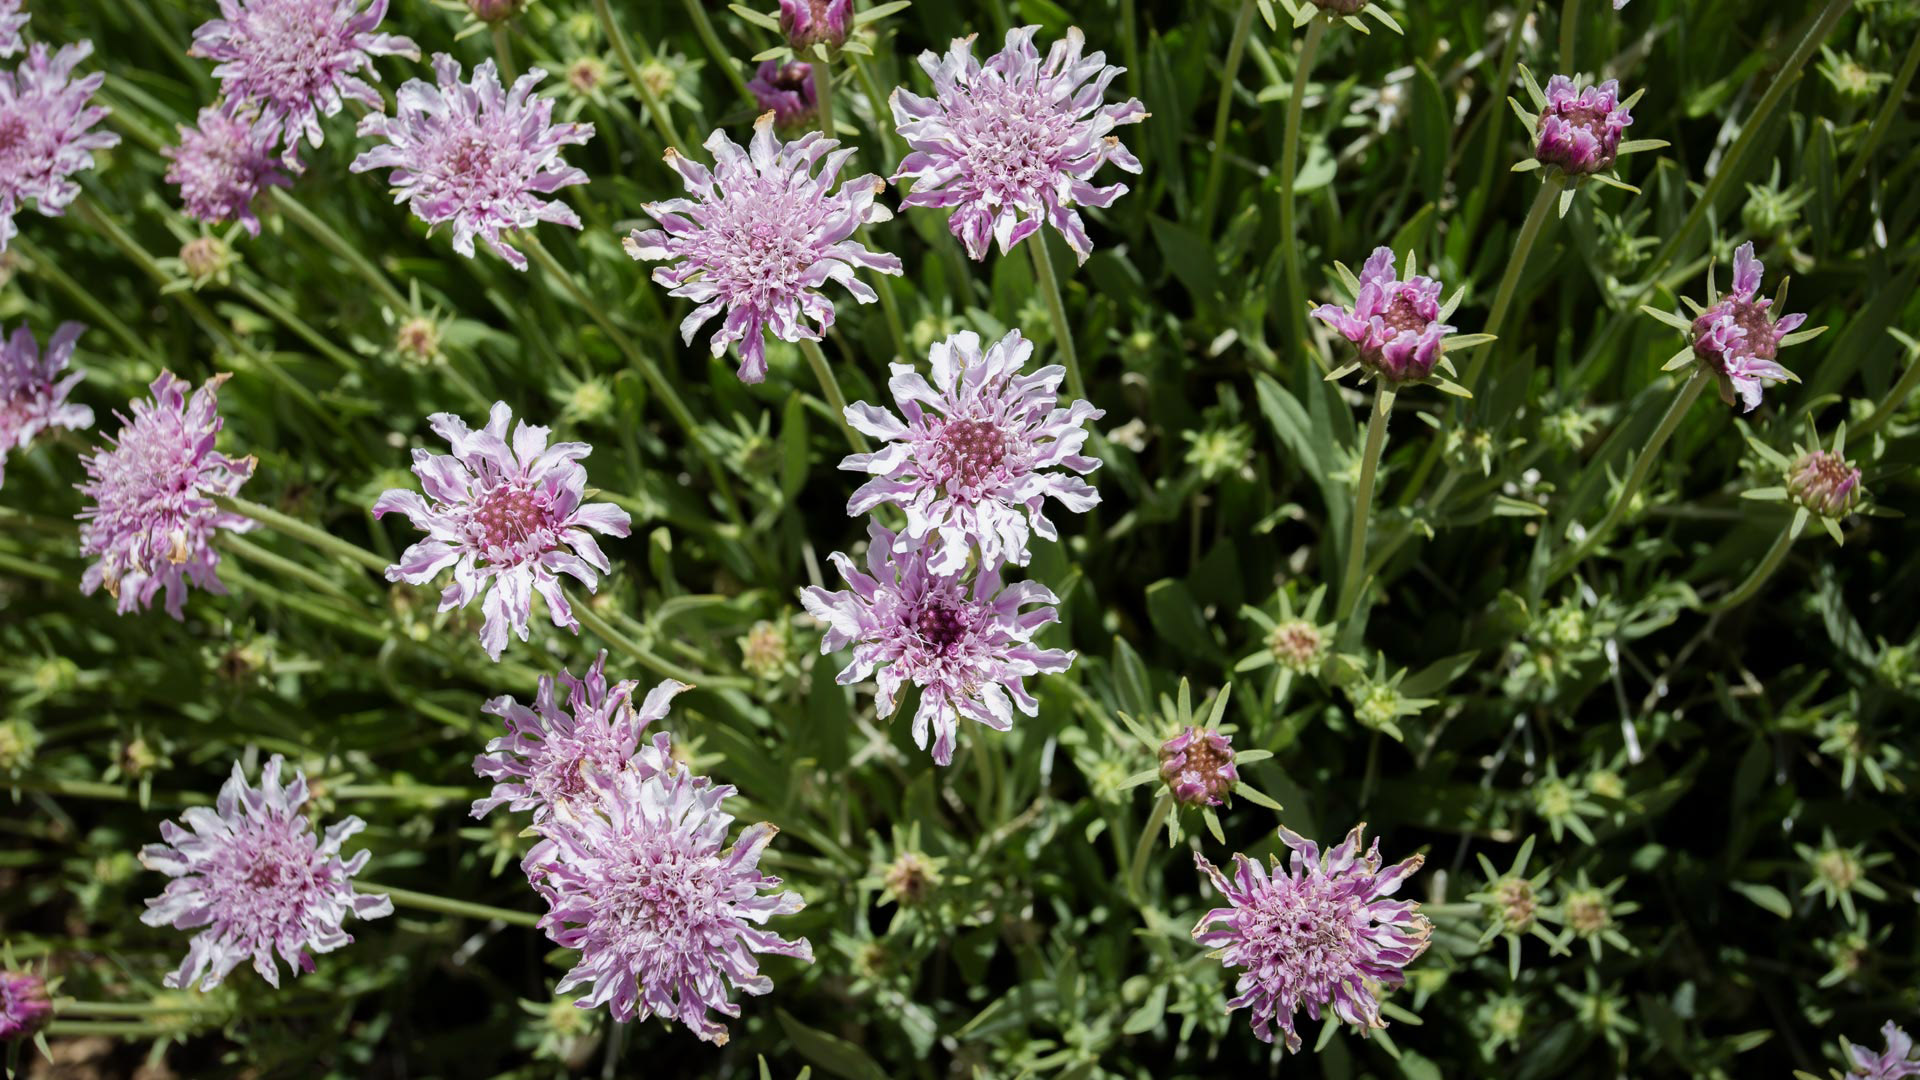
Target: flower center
<point>971,450</point>
<point>1012,147</point>
<point>941,625</point>
<point>508,517</point>
<point>1403,314</point>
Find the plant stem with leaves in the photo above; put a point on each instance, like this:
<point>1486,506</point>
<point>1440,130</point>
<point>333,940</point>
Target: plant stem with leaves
<point>1363,500</point>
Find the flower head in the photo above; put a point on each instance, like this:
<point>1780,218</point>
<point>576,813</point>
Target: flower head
<point>762,233</point>
<point>252,872</point>
<point>1825,483</point>
<point>1399,327</point>
<point>12,21</point>
<point>33,393</point>
<point>1891,1064</point>
<point>664,915</point>
<point>1320,934</point>
<point>1197,765</point>
<point>788,91</point>
<point>967,648</point>
<point>297,60</point>
<point>222,164</point>
<point>1579,130</point>
<point>507,517</point>
<point>815,22</point>
<point>1012,143</point>
<point>44,136</point>
<point>1738,338</point>
<point>25,1006</point>
<point>543,761</point>
<point>477,155</point>
<point>493,11</point>
<point>973,458</point>
<point>152,519</point>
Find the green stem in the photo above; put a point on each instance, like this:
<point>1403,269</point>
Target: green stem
<point>116,1029</point>
<point>405,792</point>
<point>1569,25</point>
<point>1642,468</point>
<point>314,226</point>
<point>503,51</point>
<point>70,1007</point>
<point>1137,868</point>
<point>823,93</point>
<point>246,549</point>
<point>1496,106</point>
<point>448,906</point>
<point>662,389</point>
<point>1056,310</point>
<point>1223,113</point>
<point>830,389</point>
<point>889,304</point>
<point>295,529</point>
<point>47,268</point>
<point>882,112</point>
<point>1768,564</point>
<point>301,329</point>
<point>1130,45</point>
<point>89,789</point>
<point>721,57</point>
<point>1889,110</point>
<point>624,53</point>
<point>1363,500</point>
<point>593,621</point>
<point>1289,173</point>
<point>1895,398</point>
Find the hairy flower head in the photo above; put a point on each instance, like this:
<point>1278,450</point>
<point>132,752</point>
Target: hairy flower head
<point>222,163</point>
<point>33,390</point>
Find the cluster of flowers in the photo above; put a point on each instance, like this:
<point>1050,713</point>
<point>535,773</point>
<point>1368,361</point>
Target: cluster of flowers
<point>46,124</point>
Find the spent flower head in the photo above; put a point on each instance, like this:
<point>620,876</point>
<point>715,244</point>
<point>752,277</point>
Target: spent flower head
<point>477,155</point>
<point>1321,933</point>
<point>1197,766</point>
<point>967,647</point>
<point>664,915</point>
<point>1012,143</point>
<point>974,457</point>
<point>151,520</point>
<point>1514,905</point>
<point>1838,873</point>
<point>34,386</point>
<point>762,233</point>
<point>1398,326</point>
<point>45,132</point>
<point>1591,914</point>
<point>508,518</point>
<point>297,60</point>
<point>251,872</point>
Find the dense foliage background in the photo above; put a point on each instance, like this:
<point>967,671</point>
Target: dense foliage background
<point>1727,776</point>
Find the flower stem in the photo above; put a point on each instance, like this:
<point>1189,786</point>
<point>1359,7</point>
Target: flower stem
<point>830,388</point>
<point>889,139</point>
<point>117,1029</point>
<point>1642,468</point>
<point>1289,173</point>
<point>293,209</point>
<point>503,52</point>
<point>823,93</point>
<point>721,57</point>
<point>661,387</point>
<point>1895,398</point>
<point>1569,25</point>
<point>448,906</point>
<point>1496,111</point>
<point>246,549</point>
<point>1768,564</point>
<point>593,621</point>
<point>1223,112</point>
<point>1137,868</point>
<point>1057,310</point>
<point>1363,500</point>
<point>44,267</point>
<point>69,1007</point>
<point>624,52</point>
<point>295,529</point>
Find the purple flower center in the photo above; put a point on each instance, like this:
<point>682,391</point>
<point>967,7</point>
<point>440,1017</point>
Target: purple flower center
<point>662,895</point>
<point>507,518</point>
<point>1403,314</point>
<point>970,450</point>
<point>14,139</point>
<point>1750,316</point>
<point>942,625</point>
<point>1013,146</point>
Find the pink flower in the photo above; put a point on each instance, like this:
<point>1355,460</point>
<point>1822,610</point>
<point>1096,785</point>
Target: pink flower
<point>1395,324</point>
<point>788,91</point>
<point>1580,131</point>
<point>44,136</point>
<point>977,453</point>
<point>1892,1064</point>
<point>1013,142</point>
<point>1314,936</point>
<point>33,395</point>
<point>968,649</point>
<point>815,22</point>
<point>297,60</point>
<point>476,155</point>
<point>664,915</point>
<point>152,521</point>
<point>760,237</point>
<point>11,23</point>
<point>24,1005</point>
<point>544,760</point>
<point>1197,765</point>
<point>507,518</point>
<point>251,871</point>
<point>1738,338</point>
<point>221,165</point>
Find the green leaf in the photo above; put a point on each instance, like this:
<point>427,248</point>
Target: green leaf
<point>1766,896</point>
<point>832,1053</point>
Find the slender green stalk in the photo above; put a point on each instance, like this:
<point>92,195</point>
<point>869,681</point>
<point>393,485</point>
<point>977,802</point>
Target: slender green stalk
<point>1569,27</point>
<point>503,51</point>
<point>70,1007</point>
<point>300,327</point>
<point>722,58</point>
<point>662,389</point>
<point>90,789</point>
<point>830,389</point>
<point>448,906</point>
<point>314,226</point>
<point>889,139</point>
<point>1895,398</point>
<point>823,93</point>
<point>1056,310</point>
<point>421,793</point>
<point>624,53</point>
<point>1496,106</point>
<point>1896,98</point>
<point>1289,173</point>
<point>1223,113</point>
<point>28,568</point>
<point>605,630</point>
<point>889,304</point>
<point>254,553</point>
<point>44,267</point>
<point>295,529</point>
<point>1130,45</point>
<point>1363,500</point>
<point>1768,564</point>
<point>115,1029</point>
<point>1137,868</point>
<point>1642,468</point>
